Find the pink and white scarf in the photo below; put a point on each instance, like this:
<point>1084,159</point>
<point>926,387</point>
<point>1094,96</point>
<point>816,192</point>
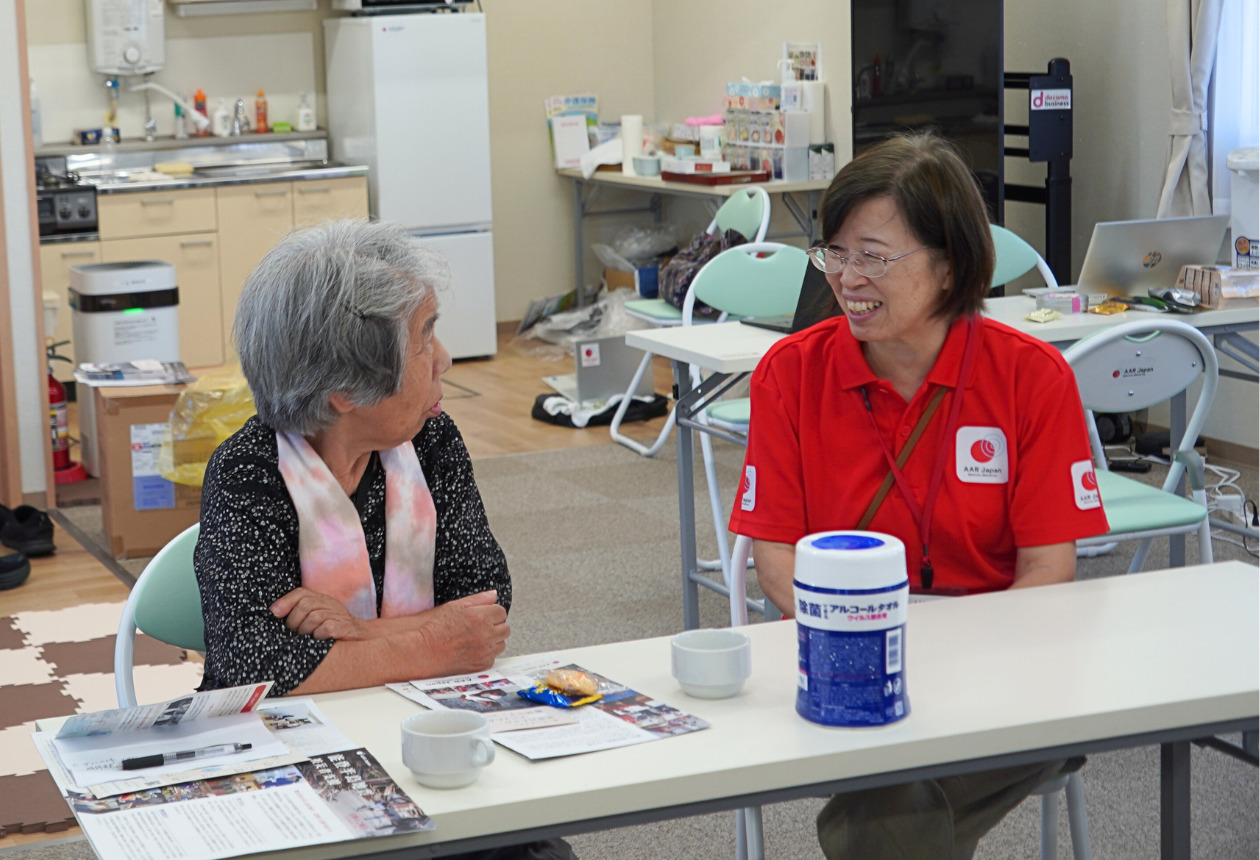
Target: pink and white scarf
<point>331,546</point>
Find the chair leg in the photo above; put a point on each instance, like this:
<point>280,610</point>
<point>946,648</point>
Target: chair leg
<point>715,507</point>
<point>614,429</point>
<point>1050,825</point>
<point>1078,823</point>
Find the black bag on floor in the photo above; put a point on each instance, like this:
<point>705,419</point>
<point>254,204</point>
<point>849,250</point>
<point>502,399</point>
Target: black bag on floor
<point>638,410</point>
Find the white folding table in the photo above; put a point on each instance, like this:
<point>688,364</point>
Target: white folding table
<point>1022,676</point>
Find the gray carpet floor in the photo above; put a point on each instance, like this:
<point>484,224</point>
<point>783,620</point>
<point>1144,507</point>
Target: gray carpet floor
<point>591,536</point>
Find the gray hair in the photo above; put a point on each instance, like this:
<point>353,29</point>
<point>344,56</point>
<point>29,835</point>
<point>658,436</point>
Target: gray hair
<point>328,311</point>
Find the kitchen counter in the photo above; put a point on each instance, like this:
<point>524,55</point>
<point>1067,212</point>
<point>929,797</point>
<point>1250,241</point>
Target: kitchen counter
<point>132,181</point>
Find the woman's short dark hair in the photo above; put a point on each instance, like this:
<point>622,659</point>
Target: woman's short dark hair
<point>939,199</point>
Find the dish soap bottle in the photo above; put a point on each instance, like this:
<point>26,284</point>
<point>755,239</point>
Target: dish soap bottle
<point>199,105</point>
<point>181,123</point>
<point>260,113</point>
<point>305,114</point>
<point>222,120</point>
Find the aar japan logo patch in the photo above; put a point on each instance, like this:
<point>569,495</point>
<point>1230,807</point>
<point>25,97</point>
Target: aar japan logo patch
<point>749,499</point>
<point>1085,485</point>
<point>980,455</point>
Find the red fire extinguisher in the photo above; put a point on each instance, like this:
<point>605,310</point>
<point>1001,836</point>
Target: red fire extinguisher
<point>58,413</point>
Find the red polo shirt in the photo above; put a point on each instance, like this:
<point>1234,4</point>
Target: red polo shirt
<point>1018,471</point>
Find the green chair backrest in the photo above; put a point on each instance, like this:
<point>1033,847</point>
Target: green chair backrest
<point>168,606</point>
<point>743,285</point>
<point>1014,256</point>
<point>745,211</point>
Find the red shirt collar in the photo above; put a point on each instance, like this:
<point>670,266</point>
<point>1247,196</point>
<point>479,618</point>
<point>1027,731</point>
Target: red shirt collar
<point>855,372</point>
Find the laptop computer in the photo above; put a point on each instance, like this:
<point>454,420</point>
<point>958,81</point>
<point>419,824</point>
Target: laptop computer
<point>816,303</point>
<point>1127,258</point>
<point>602,367</point>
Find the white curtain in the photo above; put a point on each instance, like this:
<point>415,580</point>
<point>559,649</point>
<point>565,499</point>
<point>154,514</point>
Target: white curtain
<point>1192,30</point>
<point>1235,110</point>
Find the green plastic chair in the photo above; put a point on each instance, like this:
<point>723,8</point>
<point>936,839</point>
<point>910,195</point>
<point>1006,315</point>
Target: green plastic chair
<point>165,603</point>
<point>1173,355</point>
<point>739,283</point>
<point>1016,257</point>
<point>748,211</point>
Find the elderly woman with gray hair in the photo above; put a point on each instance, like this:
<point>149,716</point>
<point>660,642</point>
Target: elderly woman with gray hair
<point>343,541</point>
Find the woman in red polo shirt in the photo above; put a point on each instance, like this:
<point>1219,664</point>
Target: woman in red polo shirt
<point>998,484</point>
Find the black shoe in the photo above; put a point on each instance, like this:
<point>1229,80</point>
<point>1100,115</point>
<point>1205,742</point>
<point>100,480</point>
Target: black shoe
<point>27,530</point>
<point>14,569</point>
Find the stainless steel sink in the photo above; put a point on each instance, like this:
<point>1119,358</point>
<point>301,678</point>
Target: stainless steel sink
<point>226,171</point>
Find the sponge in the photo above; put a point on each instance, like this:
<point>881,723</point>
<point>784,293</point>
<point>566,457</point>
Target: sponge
<point>174,168</point>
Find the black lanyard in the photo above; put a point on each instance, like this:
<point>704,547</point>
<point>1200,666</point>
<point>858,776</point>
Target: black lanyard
<point>923,514</point>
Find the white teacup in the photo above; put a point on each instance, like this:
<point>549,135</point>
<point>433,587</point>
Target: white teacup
<point>446,749</point>
<point>711,664</point>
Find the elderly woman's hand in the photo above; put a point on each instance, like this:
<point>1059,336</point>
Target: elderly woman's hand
<point>466,635</point>
<point>313,614</point>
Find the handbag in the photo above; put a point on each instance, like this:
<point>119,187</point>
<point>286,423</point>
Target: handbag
<point>676,275</point>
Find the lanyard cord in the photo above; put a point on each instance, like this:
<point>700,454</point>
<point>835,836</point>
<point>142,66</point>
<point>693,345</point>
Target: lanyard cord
<point>923,515</point>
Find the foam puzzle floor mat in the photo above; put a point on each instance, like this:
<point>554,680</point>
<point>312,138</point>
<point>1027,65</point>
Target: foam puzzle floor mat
<point>59,662</point>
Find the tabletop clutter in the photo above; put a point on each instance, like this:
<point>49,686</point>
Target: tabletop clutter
<point>765,131</point>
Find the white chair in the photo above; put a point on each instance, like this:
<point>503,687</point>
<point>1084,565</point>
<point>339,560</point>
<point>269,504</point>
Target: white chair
<point>1133,366</point>
<point>739,283</point>
<point>748,821</point>
<point>747,211</point>
<point>165,603</point>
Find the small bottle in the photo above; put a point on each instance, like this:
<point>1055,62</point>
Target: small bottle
<point>37,122</point>
<point>109,154</point>
<point>181,123</point>
<point>305,114</point>
<point>260,113</point>
<point>199,105</point>
<point>221,122</point>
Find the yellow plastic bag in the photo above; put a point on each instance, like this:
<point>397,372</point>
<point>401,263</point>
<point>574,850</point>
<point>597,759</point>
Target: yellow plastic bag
<point>206,412</point>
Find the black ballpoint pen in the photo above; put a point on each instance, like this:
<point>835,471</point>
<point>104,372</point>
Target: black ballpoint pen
<point>159,759</point>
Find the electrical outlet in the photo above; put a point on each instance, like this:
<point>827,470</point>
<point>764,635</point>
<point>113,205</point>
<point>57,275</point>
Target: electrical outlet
<point>1233,504</point>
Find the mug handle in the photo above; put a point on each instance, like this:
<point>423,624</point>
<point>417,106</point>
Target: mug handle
<point>483,752</point>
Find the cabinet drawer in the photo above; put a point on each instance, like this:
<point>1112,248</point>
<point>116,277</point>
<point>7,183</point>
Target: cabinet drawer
<point>252,219</point>
<point>196,261</point>
<point>157,213</point>
<point>316,200</point>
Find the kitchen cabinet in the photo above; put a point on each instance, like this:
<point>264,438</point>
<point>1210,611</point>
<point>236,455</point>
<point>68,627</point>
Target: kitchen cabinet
<point>252,218</point>
<point>55,261</point>
<point>195,257</point>
<point>214,237</point>
<point>321,199</point>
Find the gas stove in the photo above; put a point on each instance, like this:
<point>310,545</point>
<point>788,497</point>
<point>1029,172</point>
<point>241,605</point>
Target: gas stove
<point>66,205</point>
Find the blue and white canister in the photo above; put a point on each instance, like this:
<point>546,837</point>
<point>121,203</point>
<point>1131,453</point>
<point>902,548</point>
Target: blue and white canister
<point>851,591</point>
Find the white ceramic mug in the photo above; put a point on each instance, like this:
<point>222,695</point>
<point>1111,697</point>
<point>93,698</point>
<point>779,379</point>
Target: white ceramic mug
<point>446,749</point>
<point>711,664</point>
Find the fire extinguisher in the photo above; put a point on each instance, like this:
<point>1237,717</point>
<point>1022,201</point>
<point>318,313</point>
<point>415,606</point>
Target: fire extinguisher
<point>58,414</point>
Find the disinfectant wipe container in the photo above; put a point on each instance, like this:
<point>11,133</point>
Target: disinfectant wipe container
<point>851,593</point>
<point>1244,221</point>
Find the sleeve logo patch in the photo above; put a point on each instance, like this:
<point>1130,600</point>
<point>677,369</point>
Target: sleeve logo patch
<point>749,498</point>
<point>980,455</point>
<point>1085,485</point>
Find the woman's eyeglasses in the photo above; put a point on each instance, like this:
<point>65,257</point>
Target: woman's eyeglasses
<point>832,260</point>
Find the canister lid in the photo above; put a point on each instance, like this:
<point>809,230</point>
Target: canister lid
<point>137,276</point>
<point>850,560</point>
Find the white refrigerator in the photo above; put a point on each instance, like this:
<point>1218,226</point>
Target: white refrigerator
<point>408,97</point>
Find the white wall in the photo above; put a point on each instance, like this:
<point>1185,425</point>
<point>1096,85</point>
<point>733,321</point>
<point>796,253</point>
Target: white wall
<point>14,158</point>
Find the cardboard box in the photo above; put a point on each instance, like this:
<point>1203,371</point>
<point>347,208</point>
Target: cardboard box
<point>141,510</point>
<point>644,280</point>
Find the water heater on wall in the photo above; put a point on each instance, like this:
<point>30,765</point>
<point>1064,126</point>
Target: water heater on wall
<point>125,37</point>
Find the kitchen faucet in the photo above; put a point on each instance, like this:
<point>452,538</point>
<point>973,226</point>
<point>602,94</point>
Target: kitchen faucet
<point>240,123</point>
<point>199,120</point>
